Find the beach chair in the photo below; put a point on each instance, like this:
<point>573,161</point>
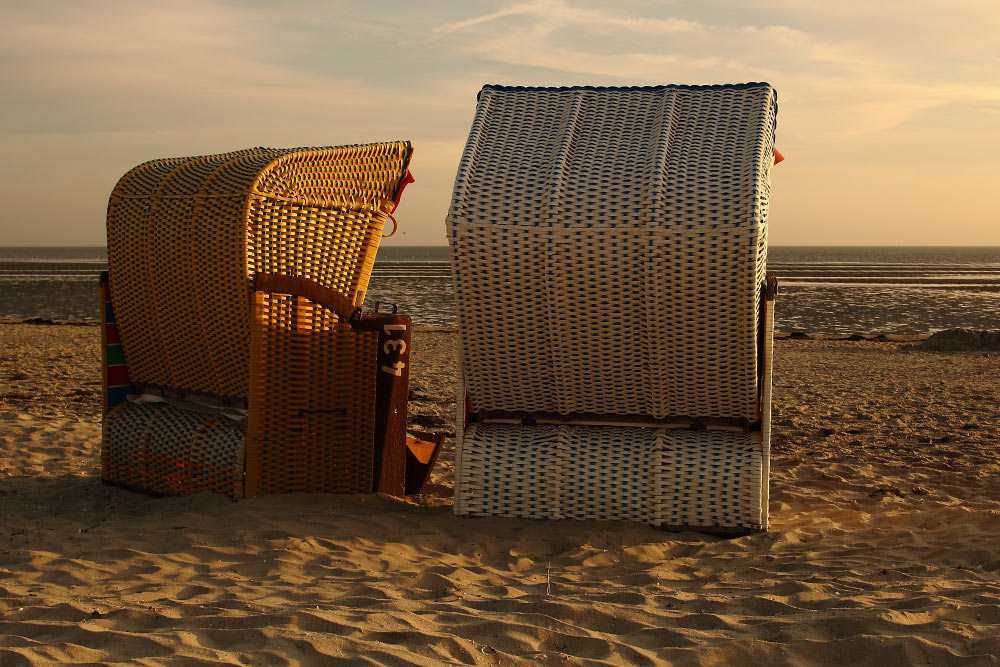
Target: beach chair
<point>237,359</point>
<point>615,320</point>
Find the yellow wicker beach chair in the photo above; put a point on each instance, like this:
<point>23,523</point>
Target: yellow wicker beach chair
<point>609,250</point>
<point>232,320</point>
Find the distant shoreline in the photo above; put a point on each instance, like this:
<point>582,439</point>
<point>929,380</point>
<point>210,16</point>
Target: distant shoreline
<point>828,290</point>
<point>779,335</point>
<point>445,245</point>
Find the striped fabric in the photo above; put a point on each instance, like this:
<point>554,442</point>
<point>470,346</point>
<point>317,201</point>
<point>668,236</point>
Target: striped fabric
<point>116,382</point>
<point>609,249</point>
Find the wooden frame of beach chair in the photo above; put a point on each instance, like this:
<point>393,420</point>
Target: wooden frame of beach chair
<point>616,323</point>
<point>305,326</point>
<point>236,282</point>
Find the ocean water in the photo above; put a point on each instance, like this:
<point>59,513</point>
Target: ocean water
<point>826,290</point>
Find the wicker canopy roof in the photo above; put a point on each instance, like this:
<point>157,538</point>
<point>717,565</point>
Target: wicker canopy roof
<point>187,235</point>
<point>609,248</point>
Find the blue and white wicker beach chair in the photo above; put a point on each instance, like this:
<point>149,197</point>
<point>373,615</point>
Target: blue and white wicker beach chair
<point>609,250</point>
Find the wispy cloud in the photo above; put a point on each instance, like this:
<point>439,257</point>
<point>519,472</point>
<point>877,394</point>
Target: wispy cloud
<point>845,85</point>
<point>187,63</point>
<point>561,13</point>
<point>113,82</point>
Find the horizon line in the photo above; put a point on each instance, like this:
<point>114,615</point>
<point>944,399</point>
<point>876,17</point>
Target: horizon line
<point>776,245</point>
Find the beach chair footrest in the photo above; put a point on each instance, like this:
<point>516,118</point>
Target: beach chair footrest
<point>671,478</point>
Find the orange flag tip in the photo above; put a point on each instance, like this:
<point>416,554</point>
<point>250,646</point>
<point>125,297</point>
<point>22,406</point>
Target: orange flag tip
<point>778,157</point>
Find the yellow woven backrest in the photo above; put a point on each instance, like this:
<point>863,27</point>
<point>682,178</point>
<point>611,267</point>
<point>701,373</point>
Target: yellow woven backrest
<point>312,398</point>
<point>187,235</point>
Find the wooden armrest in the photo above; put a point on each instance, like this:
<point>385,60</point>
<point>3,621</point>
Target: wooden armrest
<point>282,284</point>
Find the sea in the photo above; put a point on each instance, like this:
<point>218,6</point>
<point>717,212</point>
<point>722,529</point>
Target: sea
<point>822,290</point>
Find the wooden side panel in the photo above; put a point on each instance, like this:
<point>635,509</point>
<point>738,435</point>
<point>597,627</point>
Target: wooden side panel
<point>392,388</point>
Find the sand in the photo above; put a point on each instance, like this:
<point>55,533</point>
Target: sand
<point>884,547</point>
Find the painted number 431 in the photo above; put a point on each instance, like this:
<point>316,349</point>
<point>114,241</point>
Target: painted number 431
<point>391,346</point>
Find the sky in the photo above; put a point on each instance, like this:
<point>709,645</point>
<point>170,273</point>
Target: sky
<point>889,112</point>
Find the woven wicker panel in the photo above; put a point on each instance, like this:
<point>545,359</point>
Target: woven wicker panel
<point>512,471</point>
<point>664,477</point>
<point>353,177</point>
<point>710,478</point>
<point>186,235</point>
<point>164,449</point>
<point>217,459</point>
<point>610,473</point>
<point>559,472</point>
<point>312,400</point>
<point>504,316</point>
<point>666,156</point>
<point>612,197</point>
<point>701,296</point>
<point>599,345</point>
<point>124,443</point>
<point>145,179</point>
<point>335,248</point>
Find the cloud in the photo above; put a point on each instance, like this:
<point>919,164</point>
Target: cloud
<point>559,12</point>
<point>96,87</point>
<point>127,66</point>
<point>845,83</point>
<point>103,86</point>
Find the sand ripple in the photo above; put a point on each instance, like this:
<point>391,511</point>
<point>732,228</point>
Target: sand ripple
<point>883,550</point>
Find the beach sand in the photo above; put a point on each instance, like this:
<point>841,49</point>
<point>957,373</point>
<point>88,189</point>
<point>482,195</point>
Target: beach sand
<point>884,545</point>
